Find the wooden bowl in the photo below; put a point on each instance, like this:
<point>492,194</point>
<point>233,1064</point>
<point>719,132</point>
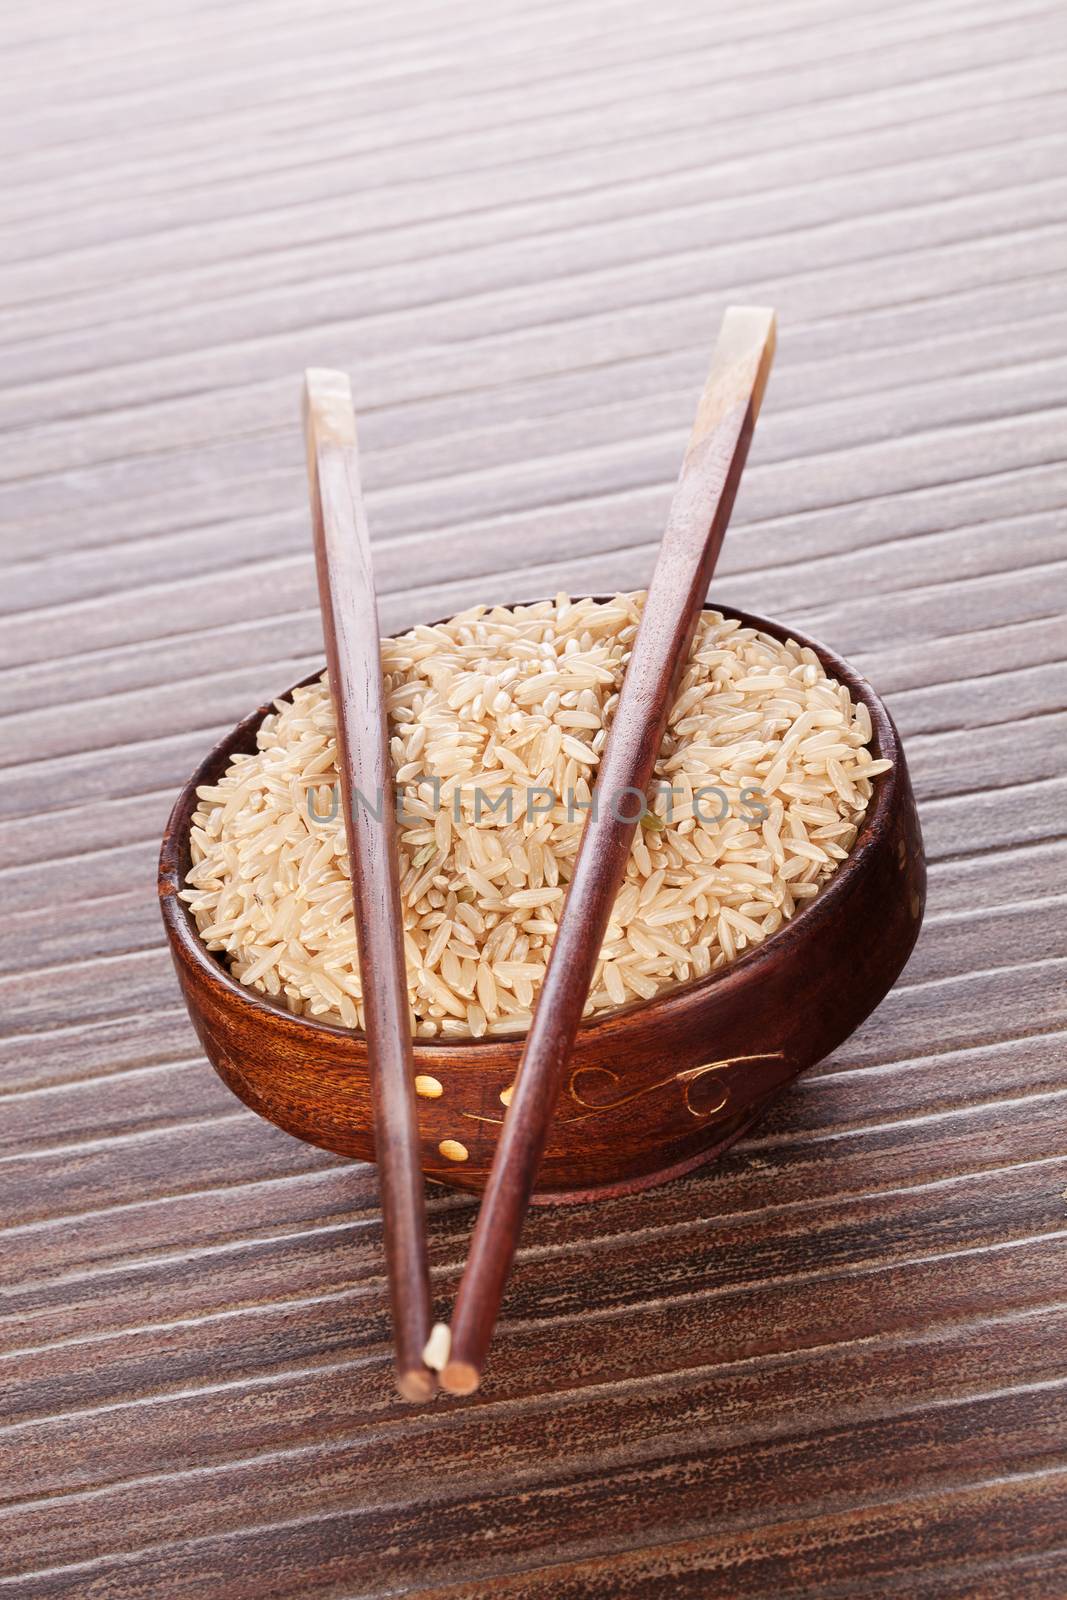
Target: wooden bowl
<point>654,1088</point>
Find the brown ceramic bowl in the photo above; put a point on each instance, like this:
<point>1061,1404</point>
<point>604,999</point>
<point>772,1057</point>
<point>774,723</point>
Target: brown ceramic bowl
<point>653,1089</point>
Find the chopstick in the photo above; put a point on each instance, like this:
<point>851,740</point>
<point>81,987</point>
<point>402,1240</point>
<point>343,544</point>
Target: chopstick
<point>700,510</point>
<point>353,654</point>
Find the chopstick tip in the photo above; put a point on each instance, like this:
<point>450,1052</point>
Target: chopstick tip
<point>757,313</point>
<point>460,1377</point>
<point>416,1384</point>
<point>327,380</point>
<point>755,324</point>
<point>328,408</point>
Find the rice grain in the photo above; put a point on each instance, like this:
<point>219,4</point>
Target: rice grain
<point>519,702</point>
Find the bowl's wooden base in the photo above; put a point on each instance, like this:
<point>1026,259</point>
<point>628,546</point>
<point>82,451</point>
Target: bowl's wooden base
<point>650,1180</point>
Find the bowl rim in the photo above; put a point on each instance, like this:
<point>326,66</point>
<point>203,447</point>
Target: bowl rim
<point>181,926</point>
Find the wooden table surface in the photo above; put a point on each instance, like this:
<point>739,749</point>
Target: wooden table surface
<point>831,1365</point>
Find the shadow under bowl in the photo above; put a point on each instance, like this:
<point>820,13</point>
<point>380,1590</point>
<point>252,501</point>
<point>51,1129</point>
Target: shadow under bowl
<point>652,1089</point>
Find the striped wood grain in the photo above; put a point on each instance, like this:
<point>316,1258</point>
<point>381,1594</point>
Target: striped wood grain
<point>519,225</point>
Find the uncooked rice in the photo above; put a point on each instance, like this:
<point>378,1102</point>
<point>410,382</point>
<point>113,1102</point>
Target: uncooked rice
<point>522,698</point>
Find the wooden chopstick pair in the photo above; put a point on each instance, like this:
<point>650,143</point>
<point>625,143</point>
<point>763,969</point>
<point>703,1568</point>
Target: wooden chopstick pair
<point>700,511</point>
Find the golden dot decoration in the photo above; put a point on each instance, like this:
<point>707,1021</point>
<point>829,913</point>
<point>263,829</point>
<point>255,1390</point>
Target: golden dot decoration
<point>429,1088</point>
<point>452,1150</point>
<point>506,1094</point>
